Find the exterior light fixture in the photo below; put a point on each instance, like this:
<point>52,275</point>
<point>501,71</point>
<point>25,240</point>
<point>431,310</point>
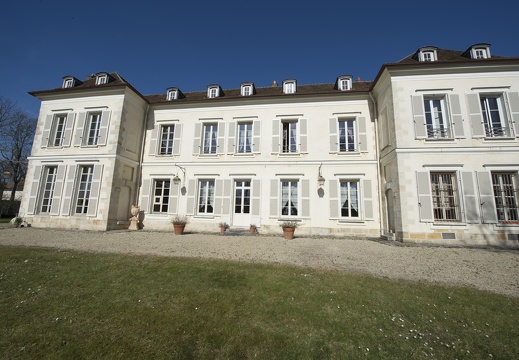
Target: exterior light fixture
<point>176,179</point>
<point>320,178</point>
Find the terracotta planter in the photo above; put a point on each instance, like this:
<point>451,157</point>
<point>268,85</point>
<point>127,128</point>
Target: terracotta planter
<point>252,229</point>
<point>222,229</point>
<point>288,233</point>
<point>179,228</point>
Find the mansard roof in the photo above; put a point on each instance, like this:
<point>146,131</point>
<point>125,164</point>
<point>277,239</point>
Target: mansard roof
<point>445,56</point>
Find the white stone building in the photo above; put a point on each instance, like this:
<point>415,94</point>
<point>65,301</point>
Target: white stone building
<point>426,152</point>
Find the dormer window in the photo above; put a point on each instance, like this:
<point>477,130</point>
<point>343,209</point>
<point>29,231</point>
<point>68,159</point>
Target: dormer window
<point>247,89</point>
<point>478,51</point>
<point>343,83</point>
<point>172,94</point>
<point>289,86</point>
<point>427,54</point>
<point>101,78</point>
<point>70,82</point>
<point>213,91</point>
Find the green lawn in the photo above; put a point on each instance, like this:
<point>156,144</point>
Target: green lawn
<point>72,305</point>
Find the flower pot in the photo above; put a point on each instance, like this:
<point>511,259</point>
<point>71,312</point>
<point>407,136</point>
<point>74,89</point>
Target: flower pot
<point>252,229</point>
<point>179,228</point>
<point>222,228</point>
<point>288,233</point>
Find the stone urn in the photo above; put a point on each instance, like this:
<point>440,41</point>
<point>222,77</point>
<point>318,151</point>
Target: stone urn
<point>134,220</point>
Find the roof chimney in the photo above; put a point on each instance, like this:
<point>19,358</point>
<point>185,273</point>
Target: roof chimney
<point>274,84</point>
<point>358,78</point>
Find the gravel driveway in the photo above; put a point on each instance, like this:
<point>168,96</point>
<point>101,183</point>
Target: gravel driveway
<point>495,270</point>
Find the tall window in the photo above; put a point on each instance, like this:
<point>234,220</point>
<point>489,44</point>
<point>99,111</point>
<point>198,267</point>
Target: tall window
<point>349,199</point>
<point>94,125</point>
<point>493,116</point>
<point>210,138</point>
<point>58,130</point>
<point>245,138</point>
<point>84,188</point>
<point>505,195</point>
<point>161,196</point>
<point>167,135</point>
<point>289,136</point>
<point>347,135</point>
<point>445,197</point>
<point>289,198</point>
<point>49,182</point>
<point>435,118</point>
<point>206,197</point>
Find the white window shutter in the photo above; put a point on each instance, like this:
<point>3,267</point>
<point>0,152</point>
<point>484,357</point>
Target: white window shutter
<point>66,208</point>
<point>177,139</point>
<point>419,117</point>
<point>368,199</point>
<point>35,190</point>
<point>274,198</point>
<point>303,135</point>
<point>103,129</point>
<point>78,137</point>
<point>275,136</point>
<point>220,149</point>
<point>196,143</point>
<point>363,136</point>
<point>227,198</point>
<point>469,196</point>
<point>513,99</point>
<point>58,189</point>
<point>218,197</point>
<point>69,126</point>
<point>486,197</point>
<point>173,197</point>
<point>191,197</point>
<point>95,190</point>
<point>423,181</point>
<point>333,135</point>
<point>256,136</point>
<point>232,138</point>
<point>153,140</point>
<point>476,117</point>
<point>305,198</point>
<point>256,197</point>
<point>334,199</point>
<point>456,117</point>
<point>47,125</point>
<point>145,196</point>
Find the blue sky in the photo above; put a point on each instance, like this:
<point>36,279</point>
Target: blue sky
<point>190,44</point>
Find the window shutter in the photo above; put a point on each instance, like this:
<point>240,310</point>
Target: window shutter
<point>469,195</point>
<point>423,181</point>
<point>58,189</point>
<point>173,197</point>
<point>486,196</point>
<point>46,131</point>
<point>103,129</point>
<point>513,98</point>
<point>220,149</point>
<point>227,198</point>
<point>305,198</point>
<point>95,190</point>
<point>145,196</point>
<point>368,199</point>
<point>274,198</point>
<point>275,136</point>
<point>191,194</point>
<point>153,139</point>
<point>69,191</point>
<point>256,197</point>
<point>363,137</point>
<point>256,136</point>
<point>69,126</point>
<point>78,139</point>
<point>196,143</point>
<point>456,118</point>
<point>177,138</point>
<point>333,134</point>
<point>218,197</point>
<point>334,199</point>
<point>232,138</point>
<point>476,118</point>
<point>419,117</point>
<point>33,195</point>
<point>303,137</point>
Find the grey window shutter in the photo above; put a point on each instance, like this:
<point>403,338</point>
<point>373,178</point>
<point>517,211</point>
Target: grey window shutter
<point>363,137</point>
<point>456,118</point>
<point>256,197</point>
<point>153,139</point>
<point>191,195</point>
<point>58,189</point>
<point>476,117</point>
<point>69,126</point>
<point>469,195</point>
<point>423,181</point>
<point>177,138</point>
<point>103,129</point>
<point>275,136</point>
<point>274,198</point>
<point>368,199</point>
<point>145,196</point>
<point>196,143</point>
<point>334,199</point>
<point>218,197</point>
<point>333,134</point>
<point>227,198</point>
<point>486,197</point>
<point>256,136</point>
<point>232,138</point>
<point>95,190</point>
<point>35,189</point>
<point>305,198</point>
<point>69,191</point>
<point>419,117</point>
<point>221,138</point>
<point>78,138</point>
<point>47,125</point>
<point>513,98</point>
<point>173,197</point>
<point>303,135</point>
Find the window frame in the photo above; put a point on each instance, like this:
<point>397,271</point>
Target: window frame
<point>246,90</point>
<point>56,132</point>
<point>346,143</point>
<point>47,189</point>
<point>344,84</point>
<point>162,200</point>
<point>213,92</point>
<point>342,200</point>
<point>289,144</point>
<point>212,148</point>
<point>172,95</point>
<point>244,145</point>
<point>289,87</point>
<point>445,197</point>
<point>68,83</point>
<point>435,128</point>
<point>489,127</point>
<point>207,195</point>
<point>85,199</point>
<point>288,214</point>
<point>506,196</point>
<point>169,141</point>
<point>93,133</point>
<point>101,79</point>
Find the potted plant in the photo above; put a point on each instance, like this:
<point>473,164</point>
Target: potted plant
<point>179,223</point>
<point>288,229</point>
<point>223,226</point>
<point>253,228</point>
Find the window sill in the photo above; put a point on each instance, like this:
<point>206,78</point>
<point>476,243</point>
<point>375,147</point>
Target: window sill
<point>507,226</point>
<point>203,217</point>
<point>347,153</point>
<point>244,154</point>
<point>295,154</point>
<point>350,221</point>
<point>208,155</point>
<point>448,225</point>
<point>450,139</point>
<point>504,138</point>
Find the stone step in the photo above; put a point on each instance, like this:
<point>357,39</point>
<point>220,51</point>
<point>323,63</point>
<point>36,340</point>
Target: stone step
<point>238,232</point>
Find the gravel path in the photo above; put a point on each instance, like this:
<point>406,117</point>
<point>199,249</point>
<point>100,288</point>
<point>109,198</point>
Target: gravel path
<point>495,270</point>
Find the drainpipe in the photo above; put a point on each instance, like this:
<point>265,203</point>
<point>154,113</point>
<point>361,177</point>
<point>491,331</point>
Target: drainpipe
<point>139,170</point>
<point>377,147</point>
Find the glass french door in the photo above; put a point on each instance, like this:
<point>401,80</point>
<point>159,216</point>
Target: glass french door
<point>242,210</point>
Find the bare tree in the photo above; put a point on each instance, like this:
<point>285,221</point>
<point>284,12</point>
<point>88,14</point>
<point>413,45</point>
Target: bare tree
<point>7,108</point>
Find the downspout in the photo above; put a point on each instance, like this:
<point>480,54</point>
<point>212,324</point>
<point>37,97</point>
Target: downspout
<point>377,151</point>
<point>139,171</point>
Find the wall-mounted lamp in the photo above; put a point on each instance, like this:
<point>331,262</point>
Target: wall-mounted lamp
<point>320,178</point>
<point>176,179</point>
